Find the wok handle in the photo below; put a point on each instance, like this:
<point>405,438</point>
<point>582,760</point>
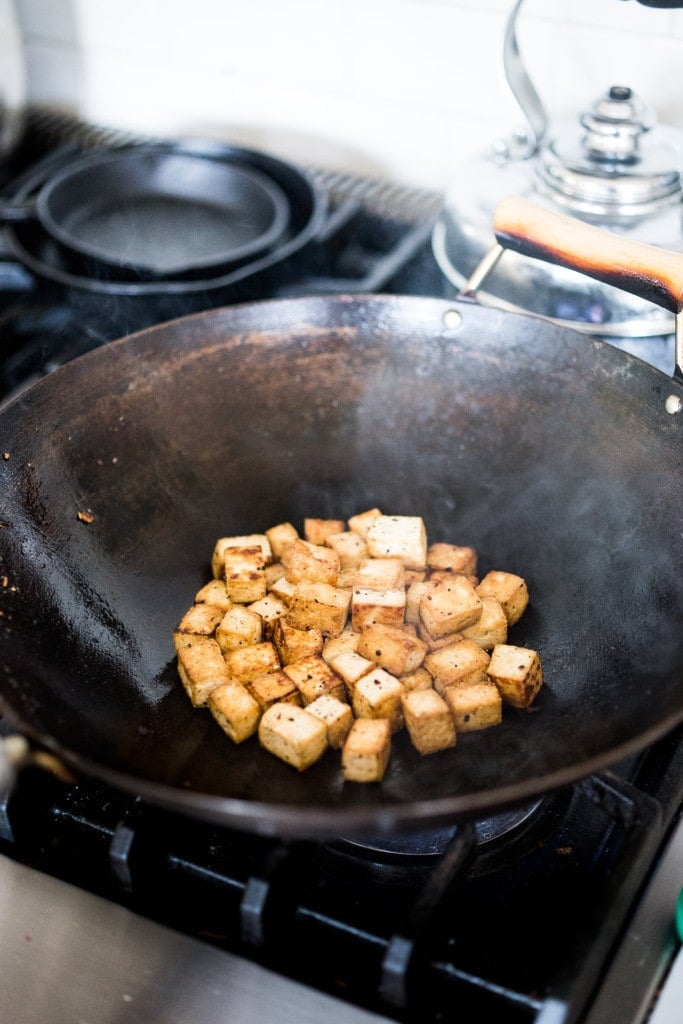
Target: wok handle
<point>647,271</point>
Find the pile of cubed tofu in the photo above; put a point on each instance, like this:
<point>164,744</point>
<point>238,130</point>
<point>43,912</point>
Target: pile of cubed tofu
<point>345,634</point>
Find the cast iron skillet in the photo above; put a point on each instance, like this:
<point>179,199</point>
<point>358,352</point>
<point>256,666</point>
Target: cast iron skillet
<point>555,455</point>
<point>157,211</point>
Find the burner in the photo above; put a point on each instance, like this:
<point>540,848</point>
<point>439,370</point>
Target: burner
<point>404,856</point>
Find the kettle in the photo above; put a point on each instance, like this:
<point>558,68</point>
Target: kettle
<point>614,167</point>
<point>12,79</point>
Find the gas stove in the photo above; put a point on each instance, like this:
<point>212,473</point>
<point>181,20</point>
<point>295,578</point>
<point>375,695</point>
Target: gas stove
<point>559,911</point>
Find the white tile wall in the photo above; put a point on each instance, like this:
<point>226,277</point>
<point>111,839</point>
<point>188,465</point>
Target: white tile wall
<point>405,89</point>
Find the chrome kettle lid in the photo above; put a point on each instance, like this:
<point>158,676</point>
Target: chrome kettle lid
<point>622,165</point>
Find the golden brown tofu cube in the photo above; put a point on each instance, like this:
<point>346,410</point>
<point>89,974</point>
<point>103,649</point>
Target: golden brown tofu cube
<point>362,522</point>
<point>401,537</point>
<point>274,572</point>
<point>247,541</point>
<point>452,558</point>
<point>492,627</point>
<point>290,733</point>
<point>415,576</point>
<point>280,536</point>
<point>346,641</point>
<point>235,710</point>
<point>369,606</point>
<point>428,720</point>
<point>214,593</point>
<point>450,606</point>
<point>319,606</point>
<point>316,531</point>
<point>293,644</point>
<point>336,715</point>
<point>282,589</point>
<point>509,590</point>
<point>435,643</point>
<point>270,608</point>
<point>201,667</point>
<point>350,547</point>
<point>456,663</point>
<point>392,648</point>
<point>273,688</point>
<point>239,627</point>
<point>517,672</point>
<point>418,680</point>
<point>310,563</point>
<point>201,619</point>
<point>245,574</point>
<point>474,705</point>
<point>367,749</point>
<point>378,574</point>
<point>378,695</point>
<point>414,594</point>
<point>248,662</point>
<point>350,667</point>
<point>313,677</point>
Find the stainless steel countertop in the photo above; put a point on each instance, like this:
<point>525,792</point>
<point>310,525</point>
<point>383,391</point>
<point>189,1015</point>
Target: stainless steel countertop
<point>68,957</point>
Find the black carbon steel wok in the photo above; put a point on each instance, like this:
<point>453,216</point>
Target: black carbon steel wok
<point>553,454</point>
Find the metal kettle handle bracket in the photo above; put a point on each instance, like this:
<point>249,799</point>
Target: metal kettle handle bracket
<point>647,271</point>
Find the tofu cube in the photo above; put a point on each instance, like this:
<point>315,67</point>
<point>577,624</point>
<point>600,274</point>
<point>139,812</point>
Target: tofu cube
<point>247,541</point>
<point>290,733</point>
<point>459,662</point>
<point>245,574</point>
<point>214,593</point>
<point>378,574</point>
<point>509,590</point>
<point>282,589</point>
<point>474,705</point>
<point>319,606</point>
<point>420,679</point>
<point>310,563</point>
<point>273,688</point>
<point>450,606</point>
<point>293,644</point>
<point>401,537</point>
<point>274,572</point>
<point>350,547</point>
<point>239,627</point>
<point>517,673</point>
<point>200,666</point>
<point>235,710</point>
<point>350,667</point>
<point>492,627</point>
<point>367,749</point>
<point>270,608</point>
<point>346,641</point>
<point>391,648</point>
<point>246,663</point>
<point>378,695</point>
<point>414,594</point>
<point>316,531</point>
<point>428,720</point>
<point>313,677</point>
<point>201,619</point>
<point>369,606</point>
<point>336,715</point>
<point>362,522</point>
<point>452,558</point>
<point>280,536</point>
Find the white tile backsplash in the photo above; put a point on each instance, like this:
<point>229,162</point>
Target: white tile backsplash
<point>404,89</point>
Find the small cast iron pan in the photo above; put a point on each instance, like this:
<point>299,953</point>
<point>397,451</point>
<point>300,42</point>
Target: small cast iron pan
<point>159,213</point>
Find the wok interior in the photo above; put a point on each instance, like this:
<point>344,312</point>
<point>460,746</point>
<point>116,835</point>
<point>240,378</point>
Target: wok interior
<point>547,452</point>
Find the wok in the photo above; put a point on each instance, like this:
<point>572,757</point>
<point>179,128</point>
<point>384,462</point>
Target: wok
<point>555,455</point>
<point>158,211</point>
